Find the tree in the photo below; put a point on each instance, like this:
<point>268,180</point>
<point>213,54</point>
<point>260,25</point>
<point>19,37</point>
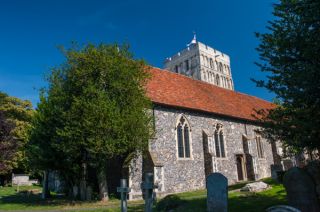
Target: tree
<point>94,109</point>
<point>8,145</point>
<point>290,55</point>
<point>16,115</point>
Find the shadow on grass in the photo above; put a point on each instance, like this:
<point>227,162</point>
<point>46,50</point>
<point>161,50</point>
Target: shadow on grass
<point>239,201</point>
<point>254,202</point>
<point>34,201</point>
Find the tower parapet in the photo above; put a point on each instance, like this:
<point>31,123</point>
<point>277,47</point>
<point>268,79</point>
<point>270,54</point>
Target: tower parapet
<point>204,63</point>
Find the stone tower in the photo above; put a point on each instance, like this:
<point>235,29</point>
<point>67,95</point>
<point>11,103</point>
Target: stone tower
<point>202,62</point>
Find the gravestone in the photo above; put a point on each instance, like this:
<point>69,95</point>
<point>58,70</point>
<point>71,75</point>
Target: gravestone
<point>75,191</point>
<point>217,193</point>
<point>282,208</point>
<point>124,190</point>
<point>255,187</point>
<point>89,193</point>
<point>313,168</point>
<point>148,187</point>
<point>301,191</point>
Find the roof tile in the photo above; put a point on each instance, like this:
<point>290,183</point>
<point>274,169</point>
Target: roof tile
<point>177,90</point>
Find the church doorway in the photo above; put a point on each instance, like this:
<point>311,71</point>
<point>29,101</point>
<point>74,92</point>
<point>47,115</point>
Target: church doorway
<point>241,170</point>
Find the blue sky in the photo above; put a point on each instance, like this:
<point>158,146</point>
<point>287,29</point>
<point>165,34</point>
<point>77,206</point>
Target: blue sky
<point>31,31</point>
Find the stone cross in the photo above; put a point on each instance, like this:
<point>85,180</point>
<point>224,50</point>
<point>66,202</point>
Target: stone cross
<point>124,190</point>
<point>217,193</point>
<point>148,187</point>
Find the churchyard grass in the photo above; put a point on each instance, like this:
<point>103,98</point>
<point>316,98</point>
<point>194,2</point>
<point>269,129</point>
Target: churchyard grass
<point>237,201</point>
<point>10,199</point>
<point>192,201</point>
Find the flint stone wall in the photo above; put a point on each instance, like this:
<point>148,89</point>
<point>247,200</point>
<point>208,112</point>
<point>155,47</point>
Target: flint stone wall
<point>189,174</point>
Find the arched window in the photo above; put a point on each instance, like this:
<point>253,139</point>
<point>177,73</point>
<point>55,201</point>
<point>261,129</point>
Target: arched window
<point>183,138</point>
<point>217,80</point>
<point>228,68</point>
<point>211,63</point>
<point>219,142</point>
<point>221,67</point>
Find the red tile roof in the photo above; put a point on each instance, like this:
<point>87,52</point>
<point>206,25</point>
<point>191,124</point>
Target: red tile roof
<point>168,88</point>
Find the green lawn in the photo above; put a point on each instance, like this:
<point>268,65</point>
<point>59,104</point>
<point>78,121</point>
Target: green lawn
<point>237,201</point>
<point>189,201</point>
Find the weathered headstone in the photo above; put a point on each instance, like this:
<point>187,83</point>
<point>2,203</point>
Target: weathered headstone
<point>282,208</point>
<point>217,193</point>
<point>255,187</point>
<point>75,191</point>
<point>89,193</point>
<point>124,190</point>
<point>148,188</point>
<point>313,168</point>
<point>301,191</point>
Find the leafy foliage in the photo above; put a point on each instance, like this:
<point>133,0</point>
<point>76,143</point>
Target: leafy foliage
<point>290,54</point>
<point>16,115</point>
<point>94,109</point>
<point>8,145</point>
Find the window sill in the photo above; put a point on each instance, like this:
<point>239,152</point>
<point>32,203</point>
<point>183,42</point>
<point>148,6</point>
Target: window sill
<point>220,158</point>
<point>184,159</point>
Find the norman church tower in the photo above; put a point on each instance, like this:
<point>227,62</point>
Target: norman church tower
<point>202,62</point>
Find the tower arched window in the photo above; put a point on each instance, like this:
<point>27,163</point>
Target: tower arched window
<point>229,72</point>
<point>217,80</point>
<point>183,138</point>
<point>219,142</point>
<point>220,67</point>
<point>211,63</point>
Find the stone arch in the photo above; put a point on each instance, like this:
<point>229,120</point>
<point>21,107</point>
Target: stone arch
<point>183,137</point>
<point>219,139</point>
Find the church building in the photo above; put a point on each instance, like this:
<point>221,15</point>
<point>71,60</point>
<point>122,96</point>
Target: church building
<point>201,125</point>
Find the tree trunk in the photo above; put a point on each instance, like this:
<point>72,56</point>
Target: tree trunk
<point>45,186</point>
<point>102,181</point>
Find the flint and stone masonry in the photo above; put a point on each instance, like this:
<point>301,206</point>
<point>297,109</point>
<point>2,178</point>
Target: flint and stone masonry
<point>175,174</point>
<point>202,62</point>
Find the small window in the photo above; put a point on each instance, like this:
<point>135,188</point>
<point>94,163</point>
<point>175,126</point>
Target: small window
<point>259,147</point>
<point>219,142</point>
<point>220,67</point>
<point>211,63</point>
<point>217,80</point>
<point>186,64</point>
<point>183,137</point>
<point>176,68</point>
